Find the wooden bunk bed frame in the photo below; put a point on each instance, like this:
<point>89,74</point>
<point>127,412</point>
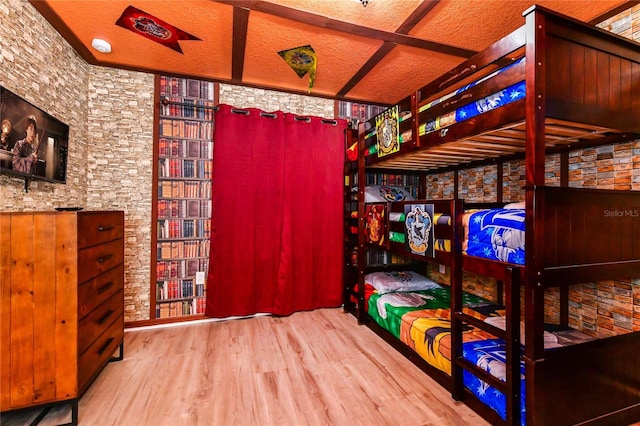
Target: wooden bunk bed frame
<point>582,87</point>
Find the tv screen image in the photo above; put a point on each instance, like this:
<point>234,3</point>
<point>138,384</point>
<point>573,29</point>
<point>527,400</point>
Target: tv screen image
<point>33,144</point>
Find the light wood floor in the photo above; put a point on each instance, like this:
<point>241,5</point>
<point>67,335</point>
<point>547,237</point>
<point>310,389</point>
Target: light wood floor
<point>311,368</point>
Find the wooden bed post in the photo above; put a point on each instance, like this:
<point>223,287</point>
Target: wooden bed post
<point>499,181</point>
<point>415,130</point>
<point>415,123</point>
<point>564,290</point>
<point>456,179</point>
<point>362,255</point>
<point>535,110</point>
<point>455,272</point>
<point>512,344</point>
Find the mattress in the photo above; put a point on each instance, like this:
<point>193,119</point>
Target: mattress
<point>422,320</point>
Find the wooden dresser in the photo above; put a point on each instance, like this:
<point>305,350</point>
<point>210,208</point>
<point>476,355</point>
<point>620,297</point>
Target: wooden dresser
<point>61,304</point>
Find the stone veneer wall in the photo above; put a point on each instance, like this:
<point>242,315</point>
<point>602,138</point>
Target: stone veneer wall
<point>480,184</point>
<point>110,118</point>
<point>119,174</point>
<point>270,101</point>
<point>39,66</point>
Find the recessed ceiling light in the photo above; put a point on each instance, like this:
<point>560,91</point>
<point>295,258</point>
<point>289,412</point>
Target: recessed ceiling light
<point>100,45</point>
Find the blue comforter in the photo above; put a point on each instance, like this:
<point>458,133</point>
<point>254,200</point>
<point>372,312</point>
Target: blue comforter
<point>490,356</point>
<point>497,234</point>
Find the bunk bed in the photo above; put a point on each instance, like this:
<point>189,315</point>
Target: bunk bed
<point>552,86</point>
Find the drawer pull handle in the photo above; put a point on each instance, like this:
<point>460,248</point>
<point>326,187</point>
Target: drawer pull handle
<point>105,228</point>
<point>106,345</point>
<point>105,287</point>
<point>105,316</point>
<point>105,258</point>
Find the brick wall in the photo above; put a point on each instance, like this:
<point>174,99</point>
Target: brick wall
<point>606,167</point>
<point>480,184</point>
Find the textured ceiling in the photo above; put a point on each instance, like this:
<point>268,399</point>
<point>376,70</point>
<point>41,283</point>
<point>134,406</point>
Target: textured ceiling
<point>374,54</point>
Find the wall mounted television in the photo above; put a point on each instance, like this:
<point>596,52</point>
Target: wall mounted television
<point>33,144</point>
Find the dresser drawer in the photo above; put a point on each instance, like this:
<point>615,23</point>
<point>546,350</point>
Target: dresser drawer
<point>95,291</point>
<point>95,260</point>
<point>90,363</point>
<point>92,325</point>
<point>98,227</point>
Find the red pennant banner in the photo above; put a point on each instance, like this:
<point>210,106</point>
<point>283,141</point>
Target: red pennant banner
<point>153,28</point>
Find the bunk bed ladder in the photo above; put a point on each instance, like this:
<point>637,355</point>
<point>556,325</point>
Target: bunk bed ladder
<point>511,335</point>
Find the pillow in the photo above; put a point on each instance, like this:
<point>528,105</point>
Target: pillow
<point>519,205</point>
<point>385,282</point>
<point>383,193</point>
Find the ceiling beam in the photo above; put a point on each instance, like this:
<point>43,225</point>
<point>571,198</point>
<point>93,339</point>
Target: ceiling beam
<point>346,27</point>
<point>47,12</point>
<point>368,66</point>
<point>420,12</point>
<point>240,24</point>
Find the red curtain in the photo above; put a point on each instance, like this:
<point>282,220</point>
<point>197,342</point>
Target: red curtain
<point>276,243</point>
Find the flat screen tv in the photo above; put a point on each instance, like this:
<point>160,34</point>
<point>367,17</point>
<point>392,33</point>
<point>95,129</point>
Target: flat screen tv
<point>33,144</point>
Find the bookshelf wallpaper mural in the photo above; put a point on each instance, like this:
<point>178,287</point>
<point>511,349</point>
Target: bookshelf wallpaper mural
<point>183,199</point>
